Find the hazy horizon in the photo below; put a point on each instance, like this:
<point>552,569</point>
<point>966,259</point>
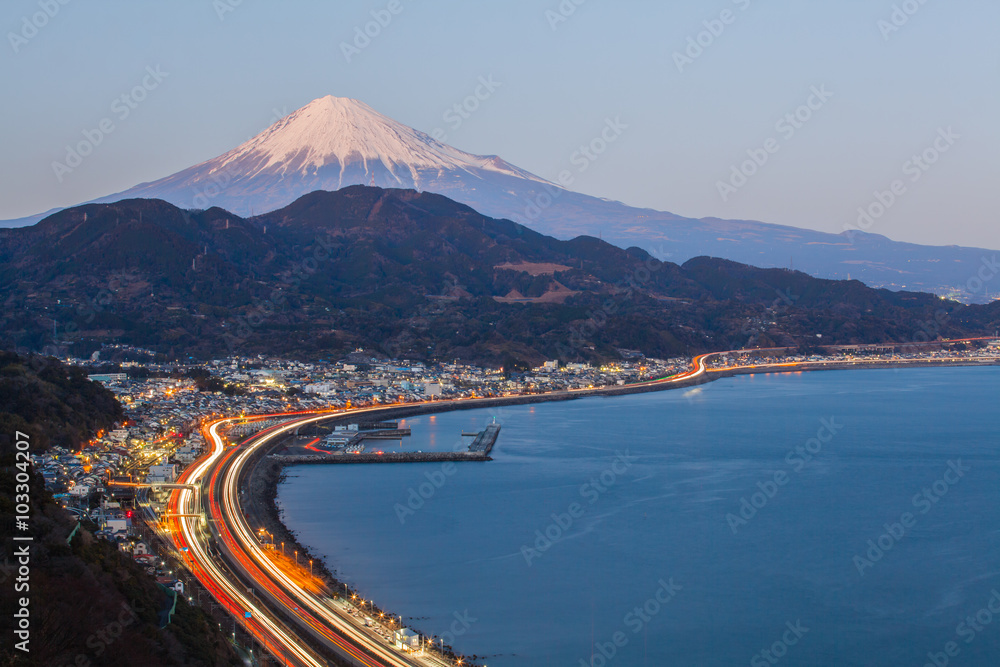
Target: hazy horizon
<point>884,84</point>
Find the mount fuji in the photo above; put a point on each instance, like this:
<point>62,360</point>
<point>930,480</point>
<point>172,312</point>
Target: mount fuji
<point>335,142</point>
<point>331,143</point>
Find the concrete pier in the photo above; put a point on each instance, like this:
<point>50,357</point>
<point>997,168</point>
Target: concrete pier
<point>387,457</point>
<point>485,439</point>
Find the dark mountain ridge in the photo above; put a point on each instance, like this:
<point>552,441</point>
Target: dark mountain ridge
<point>414,275</point>
<point>332,143</point>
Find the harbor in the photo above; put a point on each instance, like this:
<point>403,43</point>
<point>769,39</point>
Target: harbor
<point>349,444</point>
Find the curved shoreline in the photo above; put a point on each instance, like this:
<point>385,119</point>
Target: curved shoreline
<point>262,480</point>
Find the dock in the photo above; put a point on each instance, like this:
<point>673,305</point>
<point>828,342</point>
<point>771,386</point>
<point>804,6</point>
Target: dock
<point>384,434</point>
<point>352,441</point>
<point>386,457</point>
<point>485,439</point>
<point>353,451</point>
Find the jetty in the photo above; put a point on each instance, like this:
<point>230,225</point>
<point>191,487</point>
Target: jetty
<point>354,452</point>
<point>485,439</point>
<point>385,457</point>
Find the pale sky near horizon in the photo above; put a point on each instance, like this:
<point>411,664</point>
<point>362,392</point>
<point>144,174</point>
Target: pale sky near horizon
<point>226,75</point>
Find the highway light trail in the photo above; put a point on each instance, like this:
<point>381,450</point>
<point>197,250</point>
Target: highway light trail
<point>245,548</point>
<point>224,470</point>
<point>275,638</point>
<point>312,610</point>
<point>280,591</point>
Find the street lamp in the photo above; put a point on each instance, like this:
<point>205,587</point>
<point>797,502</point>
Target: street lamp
<point>310,567</point>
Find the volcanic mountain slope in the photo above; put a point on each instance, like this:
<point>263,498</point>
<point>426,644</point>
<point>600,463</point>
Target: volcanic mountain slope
<point>333,142</point>
<point>328,144</point>
<point>414,275</point>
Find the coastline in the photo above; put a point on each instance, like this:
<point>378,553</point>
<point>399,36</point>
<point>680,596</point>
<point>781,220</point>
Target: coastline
<point>265,472</point>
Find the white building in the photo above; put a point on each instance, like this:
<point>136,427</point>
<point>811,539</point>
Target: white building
<point>115,526</point>
<point>319,388</point>
<point>108,378</point>
<point>118,435</point>
<point>188,453</point>
<point>166,473</point>
<point>406,638</point>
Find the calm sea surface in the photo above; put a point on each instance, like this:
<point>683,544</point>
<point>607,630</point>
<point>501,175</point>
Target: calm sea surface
<point>617,526</point>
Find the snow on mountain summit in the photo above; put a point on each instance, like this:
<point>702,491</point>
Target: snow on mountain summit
<point>340,132</point>
<point>334,142</point>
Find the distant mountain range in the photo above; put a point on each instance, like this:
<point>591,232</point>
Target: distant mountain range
<point>334,142</point>
<point>413,275</point>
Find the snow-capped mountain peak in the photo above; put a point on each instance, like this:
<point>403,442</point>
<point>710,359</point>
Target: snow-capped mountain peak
<point>342,134</point>
<point>331,143</point>
<point>334,142</point>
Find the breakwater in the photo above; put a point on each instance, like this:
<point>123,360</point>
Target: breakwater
<point>393,457</point>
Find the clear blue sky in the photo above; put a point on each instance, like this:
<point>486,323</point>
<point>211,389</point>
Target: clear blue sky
<point>227,78</point>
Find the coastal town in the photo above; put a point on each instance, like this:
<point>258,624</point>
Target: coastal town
<point>121,479</point>
<point>167,402</point>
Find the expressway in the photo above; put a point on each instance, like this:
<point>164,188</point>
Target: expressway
<point>252,581</point>
<point>273,600</point>
<point>189,536</point>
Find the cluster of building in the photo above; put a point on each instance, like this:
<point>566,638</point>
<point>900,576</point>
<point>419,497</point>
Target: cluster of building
<point>988,351</point>
<point>265,385</point>
<point>161,435</point>
<point>165,408</point>
<point>77,474</point>
<point>85,484</point>
<point>166,405</point>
